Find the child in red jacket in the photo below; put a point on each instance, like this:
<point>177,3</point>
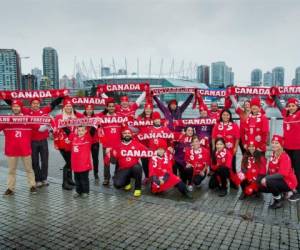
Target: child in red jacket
<point>81,161</point>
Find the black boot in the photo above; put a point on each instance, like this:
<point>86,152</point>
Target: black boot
<point>70,179</point>
<point>222,193</point>
<point>277,203</point>
<point>65,184</point>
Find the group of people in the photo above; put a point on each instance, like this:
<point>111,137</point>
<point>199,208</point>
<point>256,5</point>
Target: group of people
<point>161,151</point>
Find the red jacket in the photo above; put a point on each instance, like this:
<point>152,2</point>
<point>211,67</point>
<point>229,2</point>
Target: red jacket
<point>161,168</point>
<point>291,128</point>
<point>126,153</point>
<point>18,139</point>
<point>257,129</point>
<point>81,153</point>
<point>61,138</point>
<point>283,166</point>
<point>253,169</point>
<point>229,132</point>
<point>110,134</point>
<point>37,135</point>
<point>223,158</point>
<point>130,111</point>
<point>95,137</point>
<point>199,159</point>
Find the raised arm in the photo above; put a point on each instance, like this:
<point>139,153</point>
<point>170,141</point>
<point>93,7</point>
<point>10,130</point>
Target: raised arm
<point>140,99</point>
<point>186,103</point>
<point>56,102</point>
<point>278,103</point>
<point>161,106</point>
<point>234,102</point>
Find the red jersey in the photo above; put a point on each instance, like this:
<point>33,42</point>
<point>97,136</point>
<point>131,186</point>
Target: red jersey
<point>37,135</point>
<point>282,165</point>
<point>81,153</point>
<point>17,139</point>
<point>130,111</point>
<point>129,154</point>
<point>253,169</point>
<point>110,133</point>
<point>160,167</point>
<point>229,132</point>
<point>257,129</point>
<point>214,114</point>
<point>223,158</point>
<point>155,135</point>
<point>61,138</point>
<point>291,128</point>
<point>199,159</point>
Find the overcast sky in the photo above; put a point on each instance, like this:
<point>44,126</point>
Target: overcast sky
<point>246,34</point>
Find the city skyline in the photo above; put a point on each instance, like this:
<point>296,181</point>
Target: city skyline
<point>211,31</point>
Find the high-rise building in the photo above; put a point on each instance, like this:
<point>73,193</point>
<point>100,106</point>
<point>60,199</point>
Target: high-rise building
<point>221,75</point>
<point>50,66</point>
<point>297,76</point>
<point>38,74</point>
<point>105,71</point>
<point>278,76</point>
<point>29,82</point>
<point>268,79</point>
<point>10,69</point>
<point>203,74</point>
<point>256,77</point>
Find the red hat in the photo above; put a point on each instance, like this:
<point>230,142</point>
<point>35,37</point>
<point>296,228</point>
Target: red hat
<point>162,144</point>
<point>156,115</point>
<point>173,101</point>
<point>255,101</point>
<point>293,101</point>
<point>89,106</point>
<point>278,138</point>
<point>124,98</point>
<point>109,100</point>
<point>252,142</point>
<point>148,105</point>
<point>67,101</point>
<point>35,99</point>
<point>125,129</point>
<point>17,102</point>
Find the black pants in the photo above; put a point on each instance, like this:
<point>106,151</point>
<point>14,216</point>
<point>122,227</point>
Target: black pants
<point>197,180</point>
<point>67,171</point>
<point>185,174</point>
<point>181,187</point>
<point>95,156</point>
<point>145,163</point>
<point>223,174</point>
<point>82,182</point>
<point>122,177</point>
<point>190,178</point>
<point>234,163</point>
<point>295,159</point>
<point>275,186</point>
<point>40,159</point>
<point>243,150</point>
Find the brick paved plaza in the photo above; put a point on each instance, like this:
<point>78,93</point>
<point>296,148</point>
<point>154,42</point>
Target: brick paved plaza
<point>113,219</point>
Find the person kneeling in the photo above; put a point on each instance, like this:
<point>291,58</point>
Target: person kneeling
<point>197,162</point>
<point>127,154</point>
<point>221,168</point>
<point>253,169</point>
<point>81,161</point>
<point>281,177</point>
<point>161,172</point>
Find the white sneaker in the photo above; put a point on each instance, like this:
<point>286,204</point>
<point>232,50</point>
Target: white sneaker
<point>45,183</point>
<point>190,188</point>
<point>39,184</point>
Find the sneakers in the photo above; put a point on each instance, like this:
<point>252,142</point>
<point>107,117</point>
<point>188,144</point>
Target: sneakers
<point>137,193</point>
<point>276,204</point>
<point>188,195</point>
<point>76,195</point>
<point>127,187</point>
<point>190,188</point>
<point>84,195</point>
<point>9,192</point>
<point>295,197</point>
<point>39,184</point>
<point>96,177</point>
<point>33,190</point>
<point>45,183</point>
<point>105,182</point>
<point>222,193</point>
